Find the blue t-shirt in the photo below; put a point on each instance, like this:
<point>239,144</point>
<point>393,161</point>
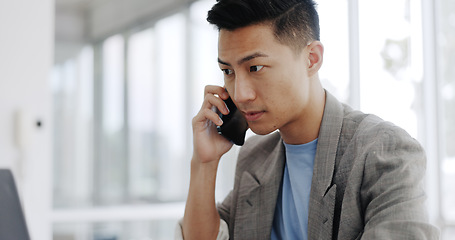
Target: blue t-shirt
<point>291,212</point>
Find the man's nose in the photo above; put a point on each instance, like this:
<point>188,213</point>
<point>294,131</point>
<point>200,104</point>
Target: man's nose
<point>244,90</point>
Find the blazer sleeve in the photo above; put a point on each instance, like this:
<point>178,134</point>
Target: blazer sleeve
<point>392,190</point>
<point>224,208</point>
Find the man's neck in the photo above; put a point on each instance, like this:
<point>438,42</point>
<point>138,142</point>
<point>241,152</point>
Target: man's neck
<point>307,127</point>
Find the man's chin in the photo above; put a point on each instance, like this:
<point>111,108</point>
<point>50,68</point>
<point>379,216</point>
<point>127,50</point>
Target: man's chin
<point>262,131</point>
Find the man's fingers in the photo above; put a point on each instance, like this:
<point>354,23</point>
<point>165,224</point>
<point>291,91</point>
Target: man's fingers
<point>211,100</point>
<point>207,114</point>
<point>216,90</point>
<point>212,116</point>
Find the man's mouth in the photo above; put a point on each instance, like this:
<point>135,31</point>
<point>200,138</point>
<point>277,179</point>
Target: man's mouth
<point>251,116</point>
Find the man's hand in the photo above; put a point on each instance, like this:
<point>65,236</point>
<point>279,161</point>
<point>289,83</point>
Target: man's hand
<point>201,220</point>
<point>209,146</point>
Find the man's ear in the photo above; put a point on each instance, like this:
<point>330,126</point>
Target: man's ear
<point>315,57</point>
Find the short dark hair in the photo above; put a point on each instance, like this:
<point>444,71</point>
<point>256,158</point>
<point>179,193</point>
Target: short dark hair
<point>295,22</point>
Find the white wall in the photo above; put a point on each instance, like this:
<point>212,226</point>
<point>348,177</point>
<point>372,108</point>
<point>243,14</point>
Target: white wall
<point>26,50</point>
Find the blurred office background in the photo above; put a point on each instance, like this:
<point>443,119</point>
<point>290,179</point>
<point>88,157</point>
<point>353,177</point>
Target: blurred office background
<point>97,96</point>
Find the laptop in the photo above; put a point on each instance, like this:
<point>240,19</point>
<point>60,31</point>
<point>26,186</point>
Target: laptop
<point>12,220</point>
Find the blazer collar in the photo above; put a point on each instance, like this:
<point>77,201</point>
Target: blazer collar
<point>259,191</point>
<point>273,166</point>
<point>323,191</point>
<point>329,135</point>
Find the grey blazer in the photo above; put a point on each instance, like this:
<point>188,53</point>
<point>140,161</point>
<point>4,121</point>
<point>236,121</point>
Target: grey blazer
<point>367,182</point>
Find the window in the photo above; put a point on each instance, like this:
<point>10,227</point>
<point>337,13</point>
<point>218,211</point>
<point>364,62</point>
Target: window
<point>334,73</point>
<point>172,118</point>
<point>390,64</point>
<point>142,138</point>
<point>138,92</point>
<point>73,132</point>
<point>110,161</point>
<point>445,73</point>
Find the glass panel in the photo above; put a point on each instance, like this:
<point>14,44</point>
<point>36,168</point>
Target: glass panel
<point>388,86</point>
<point>111,174</point>
<point>446,73</point>
<point>64,96</point>
<point>334,73</point>
<point>156,230</point>
<point>142,133</point>
<point>73,131</point>
<point>83,166</point>
<point>172,118</point>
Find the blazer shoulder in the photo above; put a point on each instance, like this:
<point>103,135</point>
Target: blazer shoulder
<point>369,126</point>
<point>375,128</point>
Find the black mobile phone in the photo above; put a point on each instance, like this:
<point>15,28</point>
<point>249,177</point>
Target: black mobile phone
<point>234,124</point>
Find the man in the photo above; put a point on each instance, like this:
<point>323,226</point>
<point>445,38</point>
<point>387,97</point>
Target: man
<point>329,172</point>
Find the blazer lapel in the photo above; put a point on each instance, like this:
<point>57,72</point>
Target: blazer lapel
<point>258,193</point>
<point>323,193</point>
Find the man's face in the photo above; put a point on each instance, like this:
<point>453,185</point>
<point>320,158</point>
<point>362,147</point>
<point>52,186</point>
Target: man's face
<point>267,80</point>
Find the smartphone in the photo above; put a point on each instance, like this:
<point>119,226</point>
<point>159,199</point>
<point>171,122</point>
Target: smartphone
<point>234,124</point>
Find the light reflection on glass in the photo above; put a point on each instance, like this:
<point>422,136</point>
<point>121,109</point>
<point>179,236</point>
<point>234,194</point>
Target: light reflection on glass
<point>113,84</point>
<point>142,162</point>
<point>446,72</point>
<point>334,73</point>
<point>172,95</point>
<point>111,164</point>
<point>388,88</point>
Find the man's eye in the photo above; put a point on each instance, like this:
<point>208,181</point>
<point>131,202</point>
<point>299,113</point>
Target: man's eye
<point>256,68</point>
<point>227,71</point>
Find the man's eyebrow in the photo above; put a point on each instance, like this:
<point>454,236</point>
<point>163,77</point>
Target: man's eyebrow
<point>245,59</point>
<point>224,63</point>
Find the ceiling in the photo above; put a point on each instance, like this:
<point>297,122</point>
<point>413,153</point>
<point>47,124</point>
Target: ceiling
<point>75,3</point>
<point>78,22</point>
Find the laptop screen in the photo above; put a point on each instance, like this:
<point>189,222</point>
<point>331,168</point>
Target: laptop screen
<point>12,220</point>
